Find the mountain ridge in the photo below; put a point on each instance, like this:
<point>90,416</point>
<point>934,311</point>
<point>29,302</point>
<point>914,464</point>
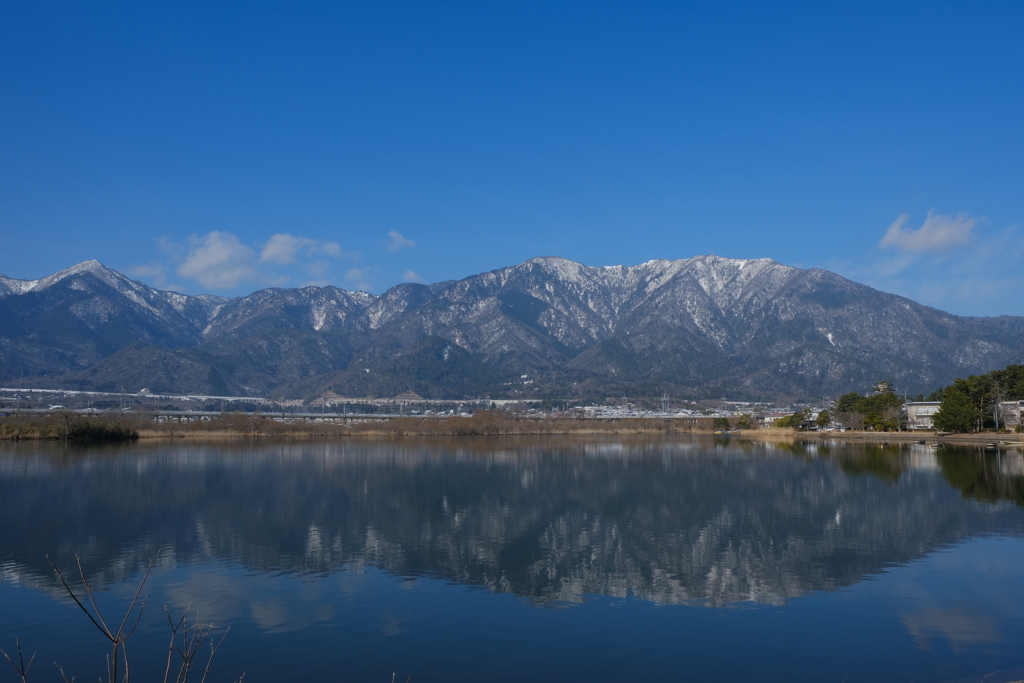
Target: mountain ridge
<point>701,327</point>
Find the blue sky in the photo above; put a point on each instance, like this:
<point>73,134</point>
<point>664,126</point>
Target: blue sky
<point>224,147</point>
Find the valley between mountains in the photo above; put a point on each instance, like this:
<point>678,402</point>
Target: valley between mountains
<point>703,327</point>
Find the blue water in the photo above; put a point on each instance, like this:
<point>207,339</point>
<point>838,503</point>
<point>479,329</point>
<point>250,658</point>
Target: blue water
<point>526,559</point>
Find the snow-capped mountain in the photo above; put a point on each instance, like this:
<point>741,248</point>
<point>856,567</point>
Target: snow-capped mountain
<point>703,326</point>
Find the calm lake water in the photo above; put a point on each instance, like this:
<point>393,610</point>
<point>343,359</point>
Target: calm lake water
<point>500,559</point>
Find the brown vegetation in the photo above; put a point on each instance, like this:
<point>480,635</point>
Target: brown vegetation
<point>67,425</point>
<point>485,422</point>
<point>70,426</point>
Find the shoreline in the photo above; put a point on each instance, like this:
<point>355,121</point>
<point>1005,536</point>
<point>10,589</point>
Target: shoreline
<point>93,429</point>
<point>925,437</point>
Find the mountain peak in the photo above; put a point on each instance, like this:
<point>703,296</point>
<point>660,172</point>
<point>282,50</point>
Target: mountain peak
<point>705,325</point>
<point>90,267</point>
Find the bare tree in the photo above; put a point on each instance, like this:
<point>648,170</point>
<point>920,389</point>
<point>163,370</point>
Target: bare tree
<point>851,420</point>
<point>66,417</point>
<point>119,637</point>
<point>998,396</point>
<point>192,637</point>
<point>21,668</point>
<point>894,415</point>
<point>185,642</point>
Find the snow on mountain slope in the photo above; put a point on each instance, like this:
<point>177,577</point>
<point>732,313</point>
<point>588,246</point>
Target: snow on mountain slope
<point>319,309</point>
<point>705,323</point>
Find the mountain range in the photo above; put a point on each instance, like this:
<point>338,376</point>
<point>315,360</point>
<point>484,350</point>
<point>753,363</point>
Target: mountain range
<point>702,327</point>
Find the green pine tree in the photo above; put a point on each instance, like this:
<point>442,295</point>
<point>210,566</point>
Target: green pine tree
<point>957,412</point>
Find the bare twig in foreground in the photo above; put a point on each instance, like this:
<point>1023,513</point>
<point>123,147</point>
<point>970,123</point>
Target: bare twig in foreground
<point>20,667</point>
<point>192,637</point>
<point>185,642</point>
<point>119,637</point>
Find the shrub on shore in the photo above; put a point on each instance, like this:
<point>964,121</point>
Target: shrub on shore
<point>67,426</point>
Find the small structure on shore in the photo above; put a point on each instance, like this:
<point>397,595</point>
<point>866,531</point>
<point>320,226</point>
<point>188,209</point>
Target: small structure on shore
<point>1011,413</point>
<point>921,413</point>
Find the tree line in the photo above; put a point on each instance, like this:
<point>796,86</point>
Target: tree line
<point>970,404</point>
<point>967,405</point>
<point>880,410</point>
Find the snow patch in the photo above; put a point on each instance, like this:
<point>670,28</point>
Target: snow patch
<point>320,317</point>
<point>18,286</point>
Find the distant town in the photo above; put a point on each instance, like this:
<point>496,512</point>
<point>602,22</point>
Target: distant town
<point>913,415</point>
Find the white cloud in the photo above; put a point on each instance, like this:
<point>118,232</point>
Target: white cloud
<point>218,260</point>
<point>398,241</point>
<point>154,272</point>
<point>175,251</point>
<point>221,261</point>
<point>978,277</point>
<point>938,233</point>
<point>332,249</point>
<point>317,273</point>
<point>284,248</point>
<point>359,278</point>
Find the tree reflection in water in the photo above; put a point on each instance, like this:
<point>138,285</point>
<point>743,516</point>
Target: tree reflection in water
<point>707,522</point>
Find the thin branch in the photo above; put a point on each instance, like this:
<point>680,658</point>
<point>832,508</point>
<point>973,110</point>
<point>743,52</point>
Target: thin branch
<point>62,674</point>
<point>142,608</point>
<point>192,636</point>
<point>75,597</point>
<point>145,577</point>
<point>118,639</point>
<point>124,652</point>
<point>174,634</point>
<point>92,599</point>
<point>20,667</point>
<point>213,651</point>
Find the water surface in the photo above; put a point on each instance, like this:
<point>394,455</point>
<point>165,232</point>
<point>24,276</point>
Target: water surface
<point>547,559</point>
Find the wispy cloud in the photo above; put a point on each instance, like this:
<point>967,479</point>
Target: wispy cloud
<point>218,260</point>
<point>939,233</point>
<point>961,626</point>
<point>411,276</point>
<point>358,278</point>
<point>284,249</point>
<point>397,241</point>
<point>155,273</point>
<point>951,262</point>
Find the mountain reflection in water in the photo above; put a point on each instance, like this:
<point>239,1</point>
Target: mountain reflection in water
<point>698,522</point>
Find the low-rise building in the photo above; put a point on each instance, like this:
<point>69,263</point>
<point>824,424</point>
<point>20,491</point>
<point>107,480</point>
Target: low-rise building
<point>920,414</point>
<point>1011,413</point>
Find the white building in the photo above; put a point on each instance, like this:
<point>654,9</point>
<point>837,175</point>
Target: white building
<point>920,414</point>
<point>1011,413</point>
